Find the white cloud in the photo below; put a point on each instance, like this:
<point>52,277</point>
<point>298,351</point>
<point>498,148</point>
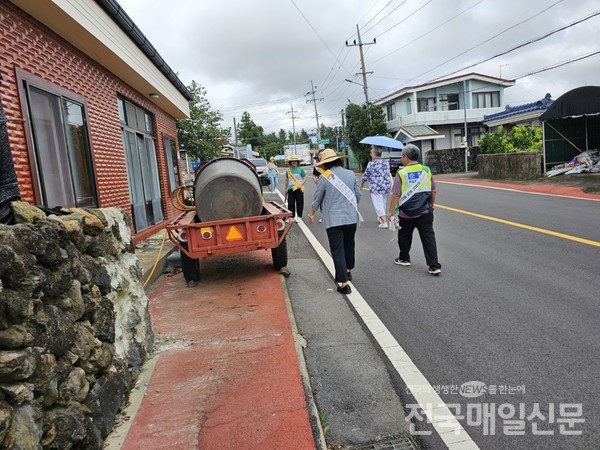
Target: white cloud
<point>261,56</point>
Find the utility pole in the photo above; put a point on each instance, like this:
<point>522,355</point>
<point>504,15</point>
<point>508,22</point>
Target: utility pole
<point>362,65</point>
<point>291,111</point>
<point>235,132</point>
<point>343,132</point>
<point>314,100</point>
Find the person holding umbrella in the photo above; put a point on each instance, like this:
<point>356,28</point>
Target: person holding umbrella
<point>377,174</point>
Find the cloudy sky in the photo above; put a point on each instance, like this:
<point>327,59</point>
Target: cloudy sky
<point>260,56</point>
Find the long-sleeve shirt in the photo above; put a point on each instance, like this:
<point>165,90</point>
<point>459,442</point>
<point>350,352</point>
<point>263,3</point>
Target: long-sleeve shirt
<point>336,209</point>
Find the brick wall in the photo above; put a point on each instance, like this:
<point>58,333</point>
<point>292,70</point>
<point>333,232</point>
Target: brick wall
<point>32,47</point>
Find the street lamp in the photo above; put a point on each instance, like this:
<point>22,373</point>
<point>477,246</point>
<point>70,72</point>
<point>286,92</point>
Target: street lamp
<point>350,81</point>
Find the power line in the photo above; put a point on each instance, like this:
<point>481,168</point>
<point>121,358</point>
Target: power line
<point>531,41</point>
<point>564,63</point>
<point>429,32</point>
<point>489,39</point>
<point>313,28</point>
<point>386,16</point>
<point>406,18</point>
<point>380,11</point>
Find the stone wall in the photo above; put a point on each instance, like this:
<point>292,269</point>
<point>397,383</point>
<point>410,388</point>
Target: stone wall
<point>451,160</point>
<point>74,326</point>
<point>518,166</point>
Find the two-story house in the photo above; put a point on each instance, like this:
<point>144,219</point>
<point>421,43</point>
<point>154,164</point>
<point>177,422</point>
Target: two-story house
<point>435,115</point>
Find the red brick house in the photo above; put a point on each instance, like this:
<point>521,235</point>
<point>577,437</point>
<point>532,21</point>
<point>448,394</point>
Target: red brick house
<point>91,109</point>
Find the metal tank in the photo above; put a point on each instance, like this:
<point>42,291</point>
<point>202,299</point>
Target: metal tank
<point>227,188</point>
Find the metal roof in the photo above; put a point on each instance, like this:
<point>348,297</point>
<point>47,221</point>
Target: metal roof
<point>542,104</point>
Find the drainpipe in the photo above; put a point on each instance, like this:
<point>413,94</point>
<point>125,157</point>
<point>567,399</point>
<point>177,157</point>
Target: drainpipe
<point>9,188</point>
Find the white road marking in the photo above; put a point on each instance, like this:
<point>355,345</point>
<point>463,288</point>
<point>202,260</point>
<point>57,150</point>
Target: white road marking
<point>516,190</point>
<point>446,425</point>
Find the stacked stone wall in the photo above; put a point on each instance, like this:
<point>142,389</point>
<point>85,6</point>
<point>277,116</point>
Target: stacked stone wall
<point>74,326</point>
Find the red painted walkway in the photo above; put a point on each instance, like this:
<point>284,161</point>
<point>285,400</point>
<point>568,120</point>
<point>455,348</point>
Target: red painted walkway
<point>227,376</point>
<point>536,188</point>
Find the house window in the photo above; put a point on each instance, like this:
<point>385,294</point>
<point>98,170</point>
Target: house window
<point>426,104</point>
<point>391,111</point>
<point>61,146</point>
<point>142,165</point>
<point>408,106</point>
<point>486,100</point>
<point>448,102</point>
<point>171,159</point>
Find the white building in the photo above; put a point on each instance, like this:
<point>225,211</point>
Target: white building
<point>440,110</point>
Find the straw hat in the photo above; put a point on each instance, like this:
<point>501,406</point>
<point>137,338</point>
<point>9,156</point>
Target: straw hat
<point>272,158</point>
<point>328,155</point>
<point>293,158</point>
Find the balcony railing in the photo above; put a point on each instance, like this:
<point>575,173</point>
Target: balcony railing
<point>442,117</point>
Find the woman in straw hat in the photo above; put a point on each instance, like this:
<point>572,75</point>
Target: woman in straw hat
<point>338,195</point>
<point>295,177</point>
<point>272,174</point>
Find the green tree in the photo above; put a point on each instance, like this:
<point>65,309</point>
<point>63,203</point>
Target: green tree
<point>282,136</point>
<point>251,133</point>
<point>201,135</point>
<point>358,126</point>
<point>519,139</point>
<point>526,139</point>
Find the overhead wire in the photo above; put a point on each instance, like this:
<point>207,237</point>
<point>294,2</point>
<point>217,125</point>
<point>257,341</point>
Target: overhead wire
<point>524,44</point>
<point>429,32</point>
<point>403,20</point>
<point>486,41</point>
<point>385,17</point>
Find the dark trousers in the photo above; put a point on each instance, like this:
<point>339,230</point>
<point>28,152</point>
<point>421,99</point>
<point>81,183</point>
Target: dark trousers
<point>341,244</point>
<point>295,200</point>
<point>424,224</point>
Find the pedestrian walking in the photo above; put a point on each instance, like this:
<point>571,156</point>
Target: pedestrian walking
<point>338,195</point>
<point>413,199</point>
<point>377,174</point>
<point>295,177</point>
<point>317,173</point>
<point>272,174</point>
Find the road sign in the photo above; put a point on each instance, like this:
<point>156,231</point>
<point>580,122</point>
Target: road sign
<point>322,141</point>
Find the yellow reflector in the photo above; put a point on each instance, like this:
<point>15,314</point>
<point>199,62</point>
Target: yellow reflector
<point>233,234</point>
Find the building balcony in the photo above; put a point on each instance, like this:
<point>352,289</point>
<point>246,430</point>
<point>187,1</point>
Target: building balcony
<point>441,117</point>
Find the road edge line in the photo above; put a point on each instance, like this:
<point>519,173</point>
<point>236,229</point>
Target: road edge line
<point>402,363</point>
<point>517,190</point>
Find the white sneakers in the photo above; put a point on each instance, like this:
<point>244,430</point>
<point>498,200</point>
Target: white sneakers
<point>383,225</point>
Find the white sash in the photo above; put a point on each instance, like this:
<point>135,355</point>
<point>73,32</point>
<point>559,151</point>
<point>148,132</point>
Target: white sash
<point>413,189</point>
<point>343,189</point>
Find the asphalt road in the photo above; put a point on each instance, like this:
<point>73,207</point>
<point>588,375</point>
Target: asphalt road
<point>513,308</point>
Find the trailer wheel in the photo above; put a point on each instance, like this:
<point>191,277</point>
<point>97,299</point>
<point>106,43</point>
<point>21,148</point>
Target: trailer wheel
<point>190,267</point>
<point>280,255</point>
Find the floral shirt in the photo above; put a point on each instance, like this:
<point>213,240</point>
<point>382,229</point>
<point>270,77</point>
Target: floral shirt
<point>378,176</point>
